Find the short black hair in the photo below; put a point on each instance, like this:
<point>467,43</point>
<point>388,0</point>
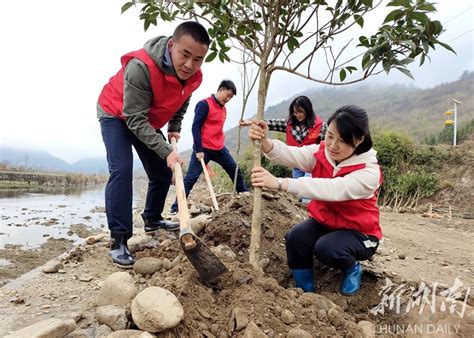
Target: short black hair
<point>195,30</point>
<point>352,123</point>
<point>227,85</point>
<point>304,103</point>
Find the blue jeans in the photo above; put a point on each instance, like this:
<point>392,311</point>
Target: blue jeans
<point>118,140</point>
<point>339,249</point>
<point>223,158</point>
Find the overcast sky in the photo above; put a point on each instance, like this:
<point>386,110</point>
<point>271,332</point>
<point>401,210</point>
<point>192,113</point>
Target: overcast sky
<point>57,55</point>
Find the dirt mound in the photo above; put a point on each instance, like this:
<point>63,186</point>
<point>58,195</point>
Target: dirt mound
<point>243,295</point>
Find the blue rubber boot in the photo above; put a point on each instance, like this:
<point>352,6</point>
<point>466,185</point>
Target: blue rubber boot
<point>351,280</point>
<point>304,279</point>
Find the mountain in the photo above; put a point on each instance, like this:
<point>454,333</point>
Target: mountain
<point>97,165</point>
<point>33,159</point>
<point>43,161</point>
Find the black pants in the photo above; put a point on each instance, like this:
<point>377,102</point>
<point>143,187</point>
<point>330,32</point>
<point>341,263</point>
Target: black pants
<point>119,140</point>
<point>223,158</point>
<point>339,249</point>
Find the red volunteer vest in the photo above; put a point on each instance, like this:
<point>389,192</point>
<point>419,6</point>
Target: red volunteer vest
<point>361,215</point>
<point>212,132</point>
<point>168,93</point>
<point>311,138</point>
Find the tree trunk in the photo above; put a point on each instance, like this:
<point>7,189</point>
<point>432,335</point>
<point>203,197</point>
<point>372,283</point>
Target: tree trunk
<point>254,254</point>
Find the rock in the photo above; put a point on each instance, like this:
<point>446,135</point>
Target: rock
<point>167,264</point>
<point>85,278</point>
<point>203,313</point>
<point>287,316</point>
<point>52,327</point>
<point>103,331</point>
<point>130,334</point>
<point>137,243</point>
<point>176,260</point>
<point>147,265</point>
<point>199,223</point>
<point>402,256</point>
<point>239,319</point>
<point>367,328</point>
<point>298,333</point>
<point>52,266</point>
<point>117,289</point>
<point>253,331</point>
<point>155,310</point>
<point>96,238</point>
<point>223,251</point>
<point>113,316</point>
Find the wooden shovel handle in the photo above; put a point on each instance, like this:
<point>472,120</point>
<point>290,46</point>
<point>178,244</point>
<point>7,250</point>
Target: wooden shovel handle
<point>187,239</point>
<point>209,184</point>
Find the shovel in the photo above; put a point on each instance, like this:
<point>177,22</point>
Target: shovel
<point>206,263</point>
<point>209,184</point>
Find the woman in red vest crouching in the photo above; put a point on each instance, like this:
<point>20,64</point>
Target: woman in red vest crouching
<point>343,227</point>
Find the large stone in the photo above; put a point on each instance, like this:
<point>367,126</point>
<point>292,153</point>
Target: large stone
<point>131,334</point>
<point>147,265</point>
<point>113,316</point>
<point>298,333</point>
<point>155,310</point>
<point>253,331</point>
<point>52,266</point>
<point>367,327</point>
<point>117,289</point>
<point>47,328</point>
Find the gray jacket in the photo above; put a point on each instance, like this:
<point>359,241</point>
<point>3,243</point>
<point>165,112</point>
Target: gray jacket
<point>138,97</point>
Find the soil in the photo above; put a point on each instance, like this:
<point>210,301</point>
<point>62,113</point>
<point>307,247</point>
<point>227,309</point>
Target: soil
<point>415,249</point>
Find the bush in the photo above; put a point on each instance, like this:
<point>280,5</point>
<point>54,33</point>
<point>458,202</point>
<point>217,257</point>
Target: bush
<point>409,170</point>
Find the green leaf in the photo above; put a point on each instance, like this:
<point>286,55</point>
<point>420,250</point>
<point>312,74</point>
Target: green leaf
<point>406,72</point>
<point>404,3</point>
<point>365,60</point>
<point>427,7</point>
<point>422,59</point>
<point>211,57</point>
<point>146,24</point>
<point>359,20</point>
<point>386,66</point>
<point>342,75</point>
<point>126,6</point>
<point>351,69</point>
<point>418,16</point>
<point>394,15</point>
<point>448,47</point>
<point>364,41</point>
<point>368,3</point>
<point>406,61</point>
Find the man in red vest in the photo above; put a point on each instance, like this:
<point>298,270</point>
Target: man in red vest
<point>208,135</point>
<point>152,88</point>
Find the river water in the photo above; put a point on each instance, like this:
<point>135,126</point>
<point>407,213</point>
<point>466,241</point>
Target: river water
<point>29,219</point>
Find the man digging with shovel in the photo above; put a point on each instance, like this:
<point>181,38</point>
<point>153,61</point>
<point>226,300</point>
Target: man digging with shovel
<point>208,134</point>
<point>152,88</point>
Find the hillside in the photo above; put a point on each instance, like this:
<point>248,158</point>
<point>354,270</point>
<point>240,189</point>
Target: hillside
<point>420,112</point>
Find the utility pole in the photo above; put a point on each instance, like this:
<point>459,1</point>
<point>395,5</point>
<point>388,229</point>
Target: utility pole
<point>456,102</point>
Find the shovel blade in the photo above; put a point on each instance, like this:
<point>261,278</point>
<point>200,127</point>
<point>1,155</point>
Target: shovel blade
<point>205,262</point>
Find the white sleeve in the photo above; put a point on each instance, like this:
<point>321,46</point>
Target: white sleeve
<point>293,157</point>
<point>359,184</point>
